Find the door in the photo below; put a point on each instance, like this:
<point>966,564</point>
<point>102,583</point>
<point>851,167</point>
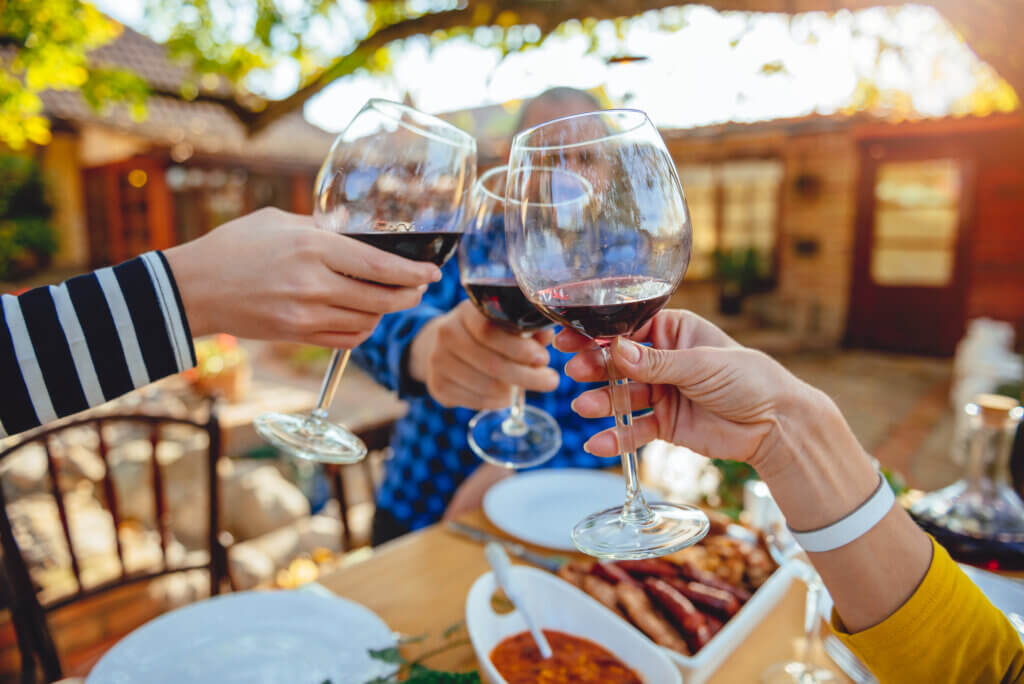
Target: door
<point>128,210</point>
<point>910,261</point>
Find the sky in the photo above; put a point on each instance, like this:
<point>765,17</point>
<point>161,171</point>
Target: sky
<point>709,71</point>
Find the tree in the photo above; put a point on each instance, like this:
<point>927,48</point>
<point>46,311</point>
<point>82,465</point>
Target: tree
<point>50,41</point>
<point>47,43</point>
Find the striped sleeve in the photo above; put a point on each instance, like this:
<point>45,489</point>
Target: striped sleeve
<point>67,347</point>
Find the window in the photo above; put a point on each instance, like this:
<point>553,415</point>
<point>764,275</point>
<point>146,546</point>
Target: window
<point>733,206</point>
<point>917,210</point>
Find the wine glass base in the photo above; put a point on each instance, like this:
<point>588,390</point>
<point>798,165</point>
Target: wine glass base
<point>796,672</point>
<point>608,535</point>
<point>537,440</point>
<point>310,438</point>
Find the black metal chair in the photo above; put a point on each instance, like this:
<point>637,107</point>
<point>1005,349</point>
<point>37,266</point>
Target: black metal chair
<point>29,615</point>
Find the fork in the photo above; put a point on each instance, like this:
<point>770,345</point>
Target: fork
<point>847,661</point>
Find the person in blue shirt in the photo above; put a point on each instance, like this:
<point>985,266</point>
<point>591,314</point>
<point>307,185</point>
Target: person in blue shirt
<point>448,362</point>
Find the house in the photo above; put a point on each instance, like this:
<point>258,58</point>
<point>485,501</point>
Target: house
<point>121,186</point>
<point>875,234</point>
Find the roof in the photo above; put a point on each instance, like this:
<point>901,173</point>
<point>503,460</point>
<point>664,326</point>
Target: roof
<point>149,59</point>
<point>204,125</point>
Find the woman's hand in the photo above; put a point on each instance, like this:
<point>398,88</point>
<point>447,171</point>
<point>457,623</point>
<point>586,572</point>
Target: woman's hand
<point>707,392</point>
<point>465,360</point>
<point>273,275</point>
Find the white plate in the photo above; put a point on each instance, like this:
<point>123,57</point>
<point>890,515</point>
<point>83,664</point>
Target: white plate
<point>542,506</point>
<point>560,606</point>
<point>280,637</point>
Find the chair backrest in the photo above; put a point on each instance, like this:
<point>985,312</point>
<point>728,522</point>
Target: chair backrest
<point>28,613</point>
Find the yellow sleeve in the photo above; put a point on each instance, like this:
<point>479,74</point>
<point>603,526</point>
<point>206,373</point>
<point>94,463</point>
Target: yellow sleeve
<point>947,631</point>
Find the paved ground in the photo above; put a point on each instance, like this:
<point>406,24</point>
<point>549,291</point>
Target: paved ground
<point>898,406</point>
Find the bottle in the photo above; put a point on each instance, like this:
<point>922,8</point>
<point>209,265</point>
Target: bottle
<point>980,518</point>
<point>1017,460</point>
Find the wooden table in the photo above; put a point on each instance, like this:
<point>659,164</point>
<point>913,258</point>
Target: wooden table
<point>418,584</point>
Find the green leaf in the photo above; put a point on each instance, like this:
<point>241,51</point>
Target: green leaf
<point>387,655</point>
<point>453,630</point>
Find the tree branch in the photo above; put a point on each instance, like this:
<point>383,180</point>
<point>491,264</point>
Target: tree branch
<point>546,14</point>
<point>549,14</point>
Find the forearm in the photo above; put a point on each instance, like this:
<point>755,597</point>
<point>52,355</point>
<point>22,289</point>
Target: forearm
<point>819,473</point>
<point>68,347</point>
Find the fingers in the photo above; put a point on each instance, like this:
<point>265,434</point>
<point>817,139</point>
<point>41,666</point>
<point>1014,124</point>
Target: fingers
<point>455,383</point>
<point>515,348</point>
<point>682,367</point>
<point>496,368</point>
<point>597,403</point>
<point>605,443</point>
<point>568,340</point>
<point>346,293</point>
<point>349,256</point>
<point>587,366</point>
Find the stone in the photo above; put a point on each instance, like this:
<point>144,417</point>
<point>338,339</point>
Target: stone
<point>250,566</point>
<point>24,471</point>
<point>260,501</point>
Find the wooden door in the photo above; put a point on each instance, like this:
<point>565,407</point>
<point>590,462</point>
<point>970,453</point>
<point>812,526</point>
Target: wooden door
<point>128,210</point>
<point>911,260</point>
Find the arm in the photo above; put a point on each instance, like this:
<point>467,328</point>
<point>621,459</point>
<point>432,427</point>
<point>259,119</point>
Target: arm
<point>67,347</point>
<point>268,275</point>
<point>716,397</point>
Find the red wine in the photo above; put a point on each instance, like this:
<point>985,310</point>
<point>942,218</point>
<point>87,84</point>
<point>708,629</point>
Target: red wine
<point>435,247</point>
<point>504,303</point>
<point>602,308</point>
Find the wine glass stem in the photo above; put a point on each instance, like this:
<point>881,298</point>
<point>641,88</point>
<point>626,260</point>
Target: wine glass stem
<point>514,426</point>
<point>812,621</point>
<point>334,372</point>
<point>635,511</point>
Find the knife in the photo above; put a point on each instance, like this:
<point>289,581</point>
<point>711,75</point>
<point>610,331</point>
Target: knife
<point>550,563</point>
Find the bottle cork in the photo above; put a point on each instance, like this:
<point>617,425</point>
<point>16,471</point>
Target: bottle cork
<point>994,409</point>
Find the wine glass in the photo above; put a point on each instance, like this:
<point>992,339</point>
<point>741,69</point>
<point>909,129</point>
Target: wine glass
<point>765,514</point>
<point>599,238</point>
<point>396,179</point>
<point>519,436</point>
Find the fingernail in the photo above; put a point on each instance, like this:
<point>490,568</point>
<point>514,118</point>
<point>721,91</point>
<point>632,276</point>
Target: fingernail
<point>586,447</point>
<point>572,405</point>
<point>630,351</point>
<point>421,289</point>
<point>435,275</point>
<point>553,376</point>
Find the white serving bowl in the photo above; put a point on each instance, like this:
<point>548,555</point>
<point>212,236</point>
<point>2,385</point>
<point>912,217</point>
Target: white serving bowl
<point>560,606</point>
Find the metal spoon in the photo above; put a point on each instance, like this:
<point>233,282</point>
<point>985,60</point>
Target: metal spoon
<point>500,563</point>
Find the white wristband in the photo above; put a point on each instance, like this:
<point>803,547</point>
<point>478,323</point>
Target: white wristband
<point>855,525</point>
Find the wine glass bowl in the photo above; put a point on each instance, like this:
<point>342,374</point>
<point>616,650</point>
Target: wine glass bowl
<point>599,238</point>
<point>521,435</point>
<point>396,179</point>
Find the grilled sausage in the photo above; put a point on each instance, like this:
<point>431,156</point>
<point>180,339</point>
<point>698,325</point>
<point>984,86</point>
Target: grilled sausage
<point>721,602</point>
<point>691,621</point>
<point>603,592</point>
<point>645,616</point>
<point>610,572</point>
<point>651,567</point>
<point>695,574</point>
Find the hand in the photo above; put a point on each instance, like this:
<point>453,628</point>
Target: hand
<point>707,392</point>
<point>470,494</point>
<point>273,275</point>
<point>465,360</point>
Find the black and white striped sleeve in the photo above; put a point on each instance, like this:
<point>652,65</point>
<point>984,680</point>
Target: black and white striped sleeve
<point>67,347</point>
